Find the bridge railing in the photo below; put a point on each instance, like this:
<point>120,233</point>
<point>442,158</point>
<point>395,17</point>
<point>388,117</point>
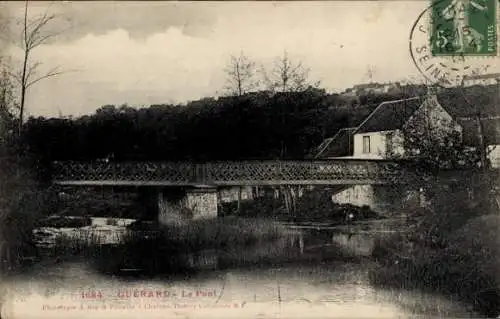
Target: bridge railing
<point>230,172</point>
<point>121,171</point>
<point>298,171</point>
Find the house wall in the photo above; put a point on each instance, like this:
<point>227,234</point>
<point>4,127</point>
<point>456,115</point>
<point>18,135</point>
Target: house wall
<point>203,203</point>
<point>378,144</point>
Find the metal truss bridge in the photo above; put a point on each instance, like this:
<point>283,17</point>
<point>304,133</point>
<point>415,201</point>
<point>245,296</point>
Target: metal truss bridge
<point>231,173</point>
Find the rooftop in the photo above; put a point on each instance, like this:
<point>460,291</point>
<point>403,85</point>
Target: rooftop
<point>467,102</point>
<point>490,130</point>
<point>390,115</point>
<point>341,144</point>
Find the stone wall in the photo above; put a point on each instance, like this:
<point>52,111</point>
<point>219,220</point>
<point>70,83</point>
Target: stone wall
<point>387,200</point>
<point>202,202</point>
<point>169,210</point>
<point>227,195</point>
<point>193,204</point>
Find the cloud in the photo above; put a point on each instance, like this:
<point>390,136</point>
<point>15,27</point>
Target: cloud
<point>139,19</point>
<point>163,52</point>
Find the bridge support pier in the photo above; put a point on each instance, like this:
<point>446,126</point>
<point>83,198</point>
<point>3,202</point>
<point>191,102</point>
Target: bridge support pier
<point>191,204</point>
<point>384,199</point>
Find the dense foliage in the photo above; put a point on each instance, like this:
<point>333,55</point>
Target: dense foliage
<point>253,126</point>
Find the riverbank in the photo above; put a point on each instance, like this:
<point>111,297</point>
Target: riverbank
<point>463,265</point>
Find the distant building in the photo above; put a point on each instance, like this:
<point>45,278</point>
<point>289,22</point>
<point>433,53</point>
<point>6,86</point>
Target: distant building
<point>372,88</point>
<point>483,79</point>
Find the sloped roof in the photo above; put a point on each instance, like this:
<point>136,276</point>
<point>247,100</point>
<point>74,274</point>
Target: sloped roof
<point>466,102</point>
<point>322,147</point>
<point>341,144</point>
<point>491,131</point>
<point>390,115</point>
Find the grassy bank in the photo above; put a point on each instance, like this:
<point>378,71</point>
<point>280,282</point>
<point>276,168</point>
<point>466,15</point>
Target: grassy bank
<point>454,250</point>
<point>220,233</point>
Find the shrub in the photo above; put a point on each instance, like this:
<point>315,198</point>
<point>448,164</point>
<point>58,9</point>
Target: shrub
<point>18,222</point>
<point>217,233</point>
<point>453,248</point>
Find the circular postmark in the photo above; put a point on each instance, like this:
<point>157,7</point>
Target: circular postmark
<point>452,65</point>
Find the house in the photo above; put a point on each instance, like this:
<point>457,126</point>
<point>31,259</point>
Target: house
<point>372,88</point>
<point>380,136</point>
<point>376,136</point>
<point>482,79</point>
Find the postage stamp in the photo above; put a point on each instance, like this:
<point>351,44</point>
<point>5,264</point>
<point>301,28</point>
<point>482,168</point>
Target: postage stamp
<point>446,50</point>
<point>467,27</point>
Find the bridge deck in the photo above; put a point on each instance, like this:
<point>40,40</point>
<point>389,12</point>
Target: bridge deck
<point>327,172</point>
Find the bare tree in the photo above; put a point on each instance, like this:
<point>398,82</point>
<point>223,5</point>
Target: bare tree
<point>20,198</point>
<point>7,96</point>
<point>34,34</point>
<point>241,75</point>
<point>287,75</point>
<point>241,78</point>
<point>14,181</point>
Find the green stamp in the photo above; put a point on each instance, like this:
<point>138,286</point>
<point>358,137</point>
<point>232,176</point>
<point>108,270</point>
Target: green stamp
<point>463,27</point>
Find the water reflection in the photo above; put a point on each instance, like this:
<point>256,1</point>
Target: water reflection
<point>304,274</point>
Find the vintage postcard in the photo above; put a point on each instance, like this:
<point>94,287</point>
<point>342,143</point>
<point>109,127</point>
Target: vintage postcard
<point>302,159</point>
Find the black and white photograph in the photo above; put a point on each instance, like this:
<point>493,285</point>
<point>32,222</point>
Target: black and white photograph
<point>249,159</point>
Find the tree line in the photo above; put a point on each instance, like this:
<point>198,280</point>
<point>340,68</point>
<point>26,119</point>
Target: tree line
<point>260,125</point>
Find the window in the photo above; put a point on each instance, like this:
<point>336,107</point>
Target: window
<point>366,144</point>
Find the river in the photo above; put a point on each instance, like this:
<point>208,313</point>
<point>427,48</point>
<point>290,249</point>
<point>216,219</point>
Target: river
<point>227,284</point>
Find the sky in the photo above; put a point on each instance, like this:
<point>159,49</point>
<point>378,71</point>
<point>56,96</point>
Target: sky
<point>143,53</point>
